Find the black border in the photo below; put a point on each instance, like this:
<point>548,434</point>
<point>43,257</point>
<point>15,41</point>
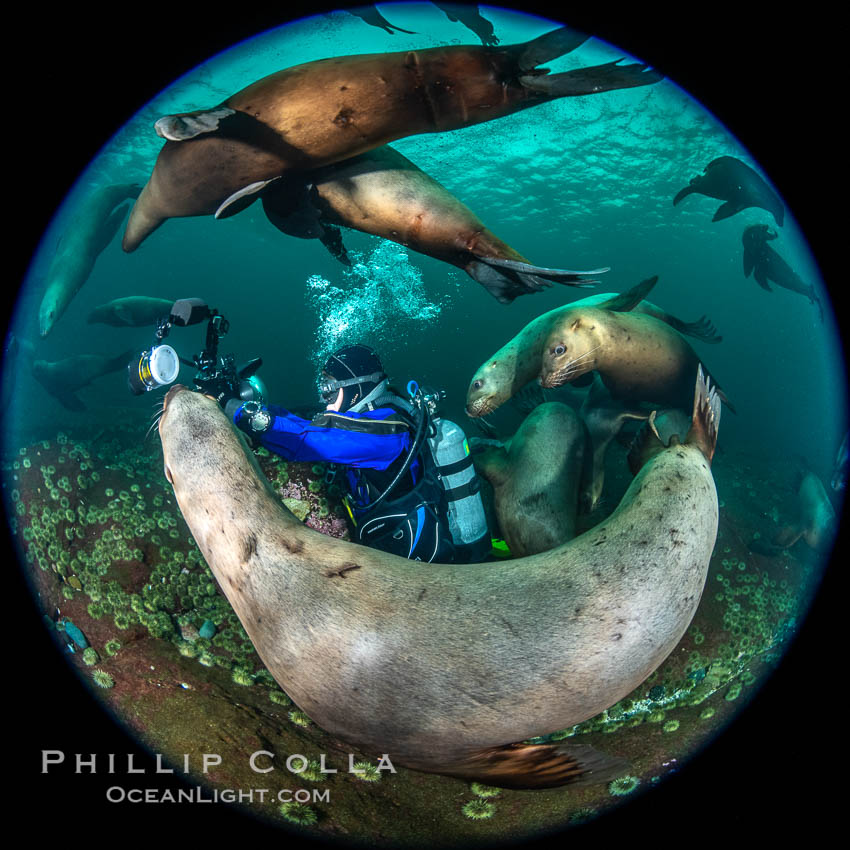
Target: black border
<point>773,78</point>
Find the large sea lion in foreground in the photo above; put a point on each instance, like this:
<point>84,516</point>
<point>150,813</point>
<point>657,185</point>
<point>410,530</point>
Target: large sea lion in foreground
<point>89,231</point>
<point>536,478</point>
<point>447,667</point>
<point>639,358</point>
<point>64,378</point>
<point>764,264</point>
<point>384,194</point>
<point>134,311</point>
<point>322,112</point>
<point>517,362</point>
<point>728,179</point>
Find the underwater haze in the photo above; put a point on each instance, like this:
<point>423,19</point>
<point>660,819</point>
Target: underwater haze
<point>577,183</point>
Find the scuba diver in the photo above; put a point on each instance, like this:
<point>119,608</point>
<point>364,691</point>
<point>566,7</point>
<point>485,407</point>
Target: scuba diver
<point>412,488</point>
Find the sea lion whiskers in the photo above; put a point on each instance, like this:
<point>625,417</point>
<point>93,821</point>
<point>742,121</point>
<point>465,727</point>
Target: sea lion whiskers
<point>568,371</point>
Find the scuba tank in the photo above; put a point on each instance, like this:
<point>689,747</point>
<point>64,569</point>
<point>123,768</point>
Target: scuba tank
<point>450,452</point>
<point>442,518</point>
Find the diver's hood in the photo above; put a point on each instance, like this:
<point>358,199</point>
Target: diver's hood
<point>369,402</point>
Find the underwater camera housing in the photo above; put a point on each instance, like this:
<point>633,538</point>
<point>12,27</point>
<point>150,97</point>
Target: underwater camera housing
<point>216,376</point>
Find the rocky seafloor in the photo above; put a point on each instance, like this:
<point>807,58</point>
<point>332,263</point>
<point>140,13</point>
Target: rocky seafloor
<point>124,591</point>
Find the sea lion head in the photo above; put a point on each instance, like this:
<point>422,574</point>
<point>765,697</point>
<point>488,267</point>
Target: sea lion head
<point>569,351</point>
<point>491,386</point>
<point>48,313</point>
<point>195,434</point>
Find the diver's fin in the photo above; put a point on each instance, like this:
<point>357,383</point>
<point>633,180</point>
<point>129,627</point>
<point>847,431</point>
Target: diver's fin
<point>535,766</point>
<point>243,198</point>
<point>726,210</point>
<point>187,125</point>
<point>702,329</point>
<point>705,419</point>
<point>628,300</point>
<point>683,193</point>
<point>507,279</point>
<point>609,76</point>
<point>549,46</point>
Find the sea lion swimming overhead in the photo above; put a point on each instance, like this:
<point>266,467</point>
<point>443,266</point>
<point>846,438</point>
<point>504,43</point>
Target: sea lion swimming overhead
<point>517,362</point>
<point>90,230</point>
<point>764,264</point>
<point>332,109</point>
<point>447,668</point>
<point>384,194</point>
<point>728,179</point>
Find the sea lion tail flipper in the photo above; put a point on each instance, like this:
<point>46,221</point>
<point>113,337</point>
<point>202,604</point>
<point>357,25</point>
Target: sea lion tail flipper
<point>609,76</point>
<point>68,400</point>
<point>549,46</point>
<point>533,766</point>
<point>507,279</point>
<point>331,238</point>
<point>683,193</point>
<point>187,125</point>
<point>243,198</point>
<point>629,299</point>
<point>726,210</point>
<point>706,416</point>
<point>787,536</point>
<point>702,329</point>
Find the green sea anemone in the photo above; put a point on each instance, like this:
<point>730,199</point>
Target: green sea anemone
<point>313,772</point>
<point>299,718</point>
<point>102,679</point>
<point>365,771</point>
<point>624,785</point>
<point>484,790</point>
<point>478,809</point>
<point>299,813</point>
<point>90,656</point>
<point>111,647</point>
<point>671,726</point>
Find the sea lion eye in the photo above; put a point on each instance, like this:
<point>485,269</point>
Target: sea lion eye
<point>476,385</point>
<point>559,349</point>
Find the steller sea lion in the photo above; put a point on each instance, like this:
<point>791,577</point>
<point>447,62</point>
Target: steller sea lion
<point>63,378</point>
<point>91,229</point>
<point>517,363</point>
<point>325,111</point>
<point>447,667</point>
<point>384,194</point>
<point>764,264</point>
<point>370,15</point>
<point>728,179</point>
<point>134,311</point>
<point>639,358</point>
<point>536,478</point>
<point>471,18</point>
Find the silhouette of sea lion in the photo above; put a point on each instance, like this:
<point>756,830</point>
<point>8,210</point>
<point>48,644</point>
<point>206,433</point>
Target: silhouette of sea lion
<point>764,264</point>
<point>728,179</point>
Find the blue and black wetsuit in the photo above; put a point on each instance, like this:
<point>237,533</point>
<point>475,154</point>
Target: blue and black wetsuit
<point>373,446</point>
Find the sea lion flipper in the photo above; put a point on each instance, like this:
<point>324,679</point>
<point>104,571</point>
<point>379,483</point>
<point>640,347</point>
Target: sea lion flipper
<point>109,228</point>
<point>507,279</point>
<point>628,300</point>
<point>610,76</point>
<point>761,278</point>
<point>543,766</point>
<point>702,329</point>
<point>331,238</point>
<point>683,193</point>
<point>243,198</point>
<point>550,46</point>
<point>706,416</point>
<point>726,210</point>
<point>187,125</point>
